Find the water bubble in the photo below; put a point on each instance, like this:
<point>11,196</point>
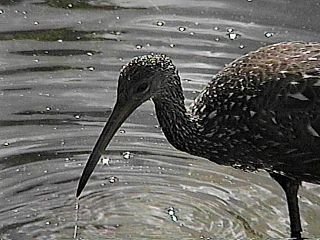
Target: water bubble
<point>79,22</point>
<point>127,155</point>
<point>48,108</point>
<point>60,40</point>
<point>48,222</point>
<point>91,68</point>
<point>122,131</point>
<point>171,211</point>
<point>89,54</point>
<point>113,179</point>
<point>217,39</point>
<point>6,144</point>
<point>171,45</point>
<point>249,0</point>
<point>268,34</point>
<point>172,214</point>
<point>1,11</point>
<point>174,218</point>
<point>160,23</point>
<point>138,46</point>
<point>105,160</point>
<point>77,116</point>
<point>36,60</point>
<point>117,17</point>
<point>36,23</point>
<point>216,28</point>
<point>70,5</point>
<point>233,35</point>
<point>191,33</point>
<point>229,30</point>
<point>241,46</point>
<point>182,29</point>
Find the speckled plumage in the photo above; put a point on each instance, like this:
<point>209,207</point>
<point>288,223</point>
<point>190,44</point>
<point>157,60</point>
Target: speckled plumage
<point>262,111</point>
<point>264,108</point>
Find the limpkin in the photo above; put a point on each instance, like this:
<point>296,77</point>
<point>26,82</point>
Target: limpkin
<point>262,111</point>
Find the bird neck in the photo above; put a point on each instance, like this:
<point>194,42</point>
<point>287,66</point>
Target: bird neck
<point>179,127</point>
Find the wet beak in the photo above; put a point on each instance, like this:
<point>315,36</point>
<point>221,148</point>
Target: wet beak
<point>119,114</point>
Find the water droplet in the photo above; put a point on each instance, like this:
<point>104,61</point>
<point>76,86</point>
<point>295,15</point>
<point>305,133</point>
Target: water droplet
<point>160,23</point>
<point>233,35</point>
<point>89,54</point>
<point>268,34</point>
<point>77,116</point>
<point>122,131</point>
<point>171,45</point>
<point>70,5</point>
<point>249,0</point>
<point>105,160</point>
<point>217,39</point>
<point>182,29</point>
<point>6,144</point>
<point>171,211</point>
<point>229,30</point>
<point>79,22</point>
<point>174,218</point>
<point>117,17</point>
<point>91,68</point>
<point>48,108</point>
<point>127,155</point>
<point>172,214</point>
<point>1,11</point>
<point>241,46</point>
<point>36,23</point>
<point>216,28</point>
<point>113,179</point>
<point>138,46</point>
<point>191,33</point>
<point>48,223</point>
<point>60,40</point>
<point>36,60</point>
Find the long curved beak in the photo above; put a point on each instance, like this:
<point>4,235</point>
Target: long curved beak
<point>119,114</point>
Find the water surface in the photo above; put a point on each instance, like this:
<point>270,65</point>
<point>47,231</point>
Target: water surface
<point>59,63</point>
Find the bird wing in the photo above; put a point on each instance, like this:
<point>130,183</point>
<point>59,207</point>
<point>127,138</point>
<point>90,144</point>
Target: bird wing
<point>269,100</point>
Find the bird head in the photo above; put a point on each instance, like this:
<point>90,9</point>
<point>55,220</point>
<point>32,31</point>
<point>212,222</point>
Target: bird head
<point>143,78</point>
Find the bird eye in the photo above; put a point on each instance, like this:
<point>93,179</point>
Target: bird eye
<point>143,88</point>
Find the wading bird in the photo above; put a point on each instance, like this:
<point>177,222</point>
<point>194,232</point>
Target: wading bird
<point>262,111</point>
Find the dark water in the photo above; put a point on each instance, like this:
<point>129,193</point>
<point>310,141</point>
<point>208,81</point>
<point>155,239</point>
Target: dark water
<point>59,63</point>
